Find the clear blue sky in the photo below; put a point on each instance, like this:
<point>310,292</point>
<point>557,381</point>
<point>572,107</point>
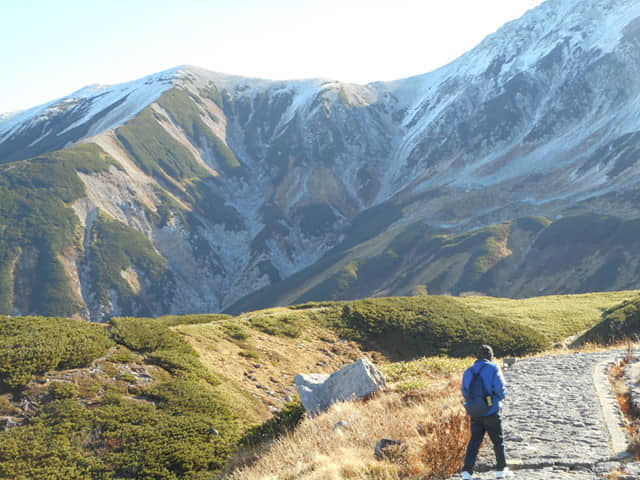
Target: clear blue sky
<point>51,48</point>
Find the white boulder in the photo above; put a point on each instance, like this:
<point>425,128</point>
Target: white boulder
<point>358,380</point>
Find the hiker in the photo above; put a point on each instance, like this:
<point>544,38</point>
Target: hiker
<point>483,388</point>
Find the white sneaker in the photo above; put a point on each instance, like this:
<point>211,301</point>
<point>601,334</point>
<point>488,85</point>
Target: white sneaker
<point>466,476</point>
<point>504,473</point>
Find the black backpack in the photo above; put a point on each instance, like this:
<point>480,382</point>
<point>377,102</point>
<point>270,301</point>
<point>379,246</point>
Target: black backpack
<point>477,405</point>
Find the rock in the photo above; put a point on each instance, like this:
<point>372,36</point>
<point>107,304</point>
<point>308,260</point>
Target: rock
<point>213,431</point>
<point>632,468</point>
<point>341,425</point>
<point>382,445</point>
<point>8,422</point>
<point>509,361</point>
<point>357,380</point>
<point>607,467</point>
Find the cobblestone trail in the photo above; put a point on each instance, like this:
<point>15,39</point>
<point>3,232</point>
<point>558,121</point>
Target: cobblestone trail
<point>562,422</point>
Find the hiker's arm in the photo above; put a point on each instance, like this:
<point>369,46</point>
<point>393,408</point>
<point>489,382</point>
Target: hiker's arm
<point>499,386</point>
<point>466,381</point>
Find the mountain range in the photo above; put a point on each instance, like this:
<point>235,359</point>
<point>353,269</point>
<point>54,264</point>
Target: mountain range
<point>511,171</point>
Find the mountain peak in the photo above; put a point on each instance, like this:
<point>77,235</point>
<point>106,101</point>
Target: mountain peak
<point>84,113</point>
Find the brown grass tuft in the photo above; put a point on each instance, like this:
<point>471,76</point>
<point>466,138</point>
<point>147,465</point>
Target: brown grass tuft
<point>445,446</point>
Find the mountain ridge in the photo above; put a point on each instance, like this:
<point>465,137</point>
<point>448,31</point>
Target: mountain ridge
<point>237,184</point>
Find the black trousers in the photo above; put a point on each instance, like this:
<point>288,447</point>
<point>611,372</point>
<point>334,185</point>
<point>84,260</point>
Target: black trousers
<point>491,424</point>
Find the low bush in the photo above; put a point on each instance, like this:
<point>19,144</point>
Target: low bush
<point>235,331</point>
<point>62,390</point>
<point>162,346</point>
<point>284,421</point>
<point>618,323</point>
<point>249,354</point>
<point>146,335</point>
<point>194,319</point>
<point>120,439</point>
<point>284,326</point>
<point>6,407</point>
<point>35,345</point>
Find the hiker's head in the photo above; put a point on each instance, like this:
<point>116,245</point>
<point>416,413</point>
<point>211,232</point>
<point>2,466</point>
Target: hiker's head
<point>485,352</point>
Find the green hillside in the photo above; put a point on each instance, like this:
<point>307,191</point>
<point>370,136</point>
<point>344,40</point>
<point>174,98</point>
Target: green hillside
<point>555,316</point>
<point>410,327</point>
<point>170,398</point>
<point>619,323</point>
<point>523,257</point>
<point>147,408</point>
<point>36,220</point>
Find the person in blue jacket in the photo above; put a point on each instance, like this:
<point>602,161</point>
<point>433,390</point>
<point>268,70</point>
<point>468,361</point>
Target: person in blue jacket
<point>491,422</point>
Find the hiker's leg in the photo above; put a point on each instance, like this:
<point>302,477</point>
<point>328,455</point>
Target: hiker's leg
<point>477,434</point>
<point>493,424</point>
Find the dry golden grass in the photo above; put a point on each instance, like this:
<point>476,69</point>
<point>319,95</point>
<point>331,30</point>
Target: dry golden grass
<point>259,363</point>
<point>431,424</point>
<point>619,386</point>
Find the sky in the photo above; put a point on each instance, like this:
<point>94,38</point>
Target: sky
<point>50,48</point>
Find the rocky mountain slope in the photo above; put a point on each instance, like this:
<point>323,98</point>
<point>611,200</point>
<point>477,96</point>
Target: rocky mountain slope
<point>510,171</point>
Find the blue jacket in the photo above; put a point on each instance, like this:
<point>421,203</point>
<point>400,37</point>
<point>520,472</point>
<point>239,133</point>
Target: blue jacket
<point>492,379</point>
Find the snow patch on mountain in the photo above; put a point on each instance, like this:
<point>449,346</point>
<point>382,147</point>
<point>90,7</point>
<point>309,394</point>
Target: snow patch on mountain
<point>103,107</point>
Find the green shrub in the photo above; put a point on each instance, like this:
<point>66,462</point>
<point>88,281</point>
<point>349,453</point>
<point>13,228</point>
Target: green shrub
<point>192,397</point>
<point>284,326</point>
<point>119,439</point>
<point>146,335</point>
<point>173,320</point>
<point>235,331</point>
<point>6,407</point>
<point>127,377</point>
<point>409,327</point>
<point>62,390</point>
<point>35,345</point>
<point>162,346</point>
<point>284,421</point>
<point>249,354</point>
<point>123,355</point>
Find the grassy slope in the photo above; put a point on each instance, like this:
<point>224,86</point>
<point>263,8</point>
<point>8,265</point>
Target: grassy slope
<point>263,351</point>
<point>555,316</point>
<point>620,322</point>
<point>35,212</point>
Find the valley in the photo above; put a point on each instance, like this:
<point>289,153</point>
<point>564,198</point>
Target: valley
<point>252,193</point>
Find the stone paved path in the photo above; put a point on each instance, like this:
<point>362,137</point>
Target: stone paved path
<point>562,421</point>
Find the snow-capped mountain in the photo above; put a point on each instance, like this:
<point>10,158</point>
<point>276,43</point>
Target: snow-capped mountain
<point>87,112</point>
<point>230,184</point>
